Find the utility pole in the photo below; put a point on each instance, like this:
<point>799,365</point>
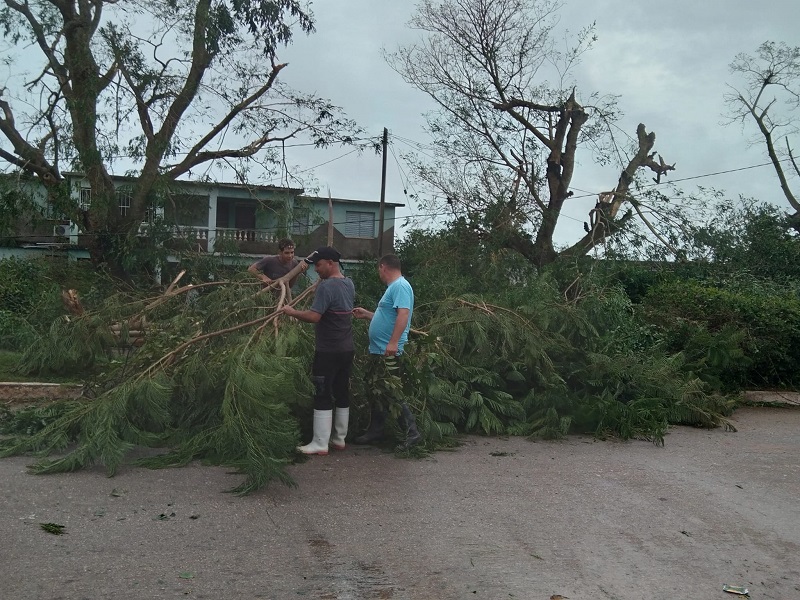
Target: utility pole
<point>383,192</point>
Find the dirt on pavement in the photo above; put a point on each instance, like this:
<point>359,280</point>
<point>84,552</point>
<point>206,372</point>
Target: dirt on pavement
<point>493,519</point>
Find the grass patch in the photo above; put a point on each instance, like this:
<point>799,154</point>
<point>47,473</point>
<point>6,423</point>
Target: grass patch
<point>8,365</point>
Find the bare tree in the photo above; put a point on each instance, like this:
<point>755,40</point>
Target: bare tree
<point>173,85</point>
<point>769,96</point>
<point>510,123</point>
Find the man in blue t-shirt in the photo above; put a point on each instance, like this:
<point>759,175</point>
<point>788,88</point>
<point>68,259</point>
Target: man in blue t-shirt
<point>388,333</point>
<point>332,315</point>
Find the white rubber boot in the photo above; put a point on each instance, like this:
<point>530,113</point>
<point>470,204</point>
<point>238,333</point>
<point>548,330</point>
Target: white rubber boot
<point>323,419</point>
<point>341,416</point>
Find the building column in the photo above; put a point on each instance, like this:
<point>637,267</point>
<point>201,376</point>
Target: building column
<point>212,219</point>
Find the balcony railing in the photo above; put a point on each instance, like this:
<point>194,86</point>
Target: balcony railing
<point>227,234</point>
<point>260,241</point>
<point>246,235</point>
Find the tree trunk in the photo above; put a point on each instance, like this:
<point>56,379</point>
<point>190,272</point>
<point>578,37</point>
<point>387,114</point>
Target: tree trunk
<point>606,211</point>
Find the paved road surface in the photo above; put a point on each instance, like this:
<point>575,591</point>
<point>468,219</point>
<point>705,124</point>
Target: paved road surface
<point>494,519</point>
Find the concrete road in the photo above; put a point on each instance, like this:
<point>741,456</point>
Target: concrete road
<point>494,519</point>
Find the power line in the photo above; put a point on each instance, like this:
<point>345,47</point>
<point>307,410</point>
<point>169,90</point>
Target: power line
<point>407,183</point>
<point>419,145</point>
<point>693,177</point>
<point>326,162</point>
<point>416,146</point>
<point>415,143</point>
<point>726,172</point>
<point>302,145</point>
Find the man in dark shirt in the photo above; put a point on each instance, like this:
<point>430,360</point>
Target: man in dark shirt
<point>331,313</point>
<point>274,267</point>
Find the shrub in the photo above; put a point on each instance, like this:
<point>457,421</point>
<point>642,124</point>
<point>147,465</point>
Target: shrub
<point>744,334</point>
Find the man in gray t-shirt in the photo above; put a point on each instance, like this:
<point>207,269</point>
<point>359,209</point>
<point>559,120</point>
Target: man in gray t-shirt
<point>331,312</point>
<point>274,267</point>
<point>333,300</point>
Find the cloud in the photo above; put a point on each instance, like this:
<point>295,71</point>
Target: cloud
<point>668,62</point>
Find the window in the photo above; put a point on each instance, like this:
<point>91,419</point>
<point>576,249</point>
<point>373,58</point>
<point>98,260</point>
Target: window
<point>301,222</point>
<point>85,198</point>
<point>124,201</point>
<point>188,210</point>
<point>360,225</point>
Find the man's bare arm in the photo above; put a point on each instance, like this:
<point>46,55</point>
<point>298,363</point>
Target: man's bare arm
<point>399,326</point>
<point>255,271</point>
<point>307,316</point>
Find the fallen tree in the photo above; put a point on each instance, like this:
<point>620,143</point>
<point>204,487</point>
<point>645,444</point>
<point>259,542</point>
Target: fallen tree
<point>223,376</point>
<point>215,379</point>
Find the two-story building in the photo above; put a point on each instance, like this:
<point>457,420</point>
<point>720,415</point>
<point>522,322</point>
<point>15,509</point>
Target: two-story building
<point>226,218</point>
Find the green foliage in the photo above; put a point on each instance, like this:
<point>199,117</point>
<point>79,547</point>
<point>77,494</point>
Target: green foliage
<point>16,205</point>
<point>70,346</point>
<point>15,331</point>
<point>495,350</point>
<point>202,385</point>
<point>547,367</point>
<point>369,287</point>
<point>640,396</point>
<point>252,429</point>
<point>53,528</point>
<point>264,20</point>
<point>454,261</point>
<point>32,419</point>
<point>28,299</point>
<point>20,286</point>
<point>732,311</point>
<point>8,364</point>
<point>745,333</point>
<point>104,430</point>
<point>752,239</point>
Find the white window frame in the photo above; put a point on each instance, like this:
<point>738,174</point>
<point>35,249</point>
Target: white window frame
<point>124,201</point>
<point>85,198</point>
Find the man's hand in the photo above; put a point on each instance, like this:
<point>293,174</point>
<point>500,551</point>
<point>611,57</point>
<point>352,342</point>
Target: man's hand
<point>391,349</point>
<point>266,279</point>
<point>362,313</point>
<point>288,311</point>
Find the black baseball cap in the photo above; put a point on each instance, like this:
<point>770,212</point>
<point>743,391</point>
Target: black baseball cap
<point>323,253</point>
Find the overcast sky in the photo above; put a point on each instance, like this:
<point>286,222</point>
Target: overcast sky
<point>668,62</point>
